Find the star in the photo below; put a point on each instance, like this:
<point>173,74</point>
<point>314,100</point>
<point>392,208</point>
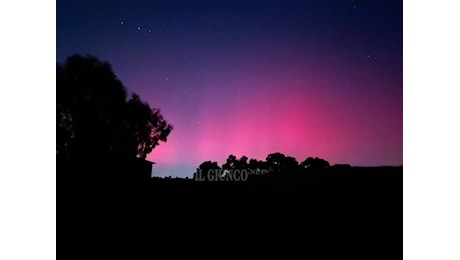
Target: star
<point>138,28</point>
<point>368,55</point>
<point>150,30</point>
<point>122,22</point>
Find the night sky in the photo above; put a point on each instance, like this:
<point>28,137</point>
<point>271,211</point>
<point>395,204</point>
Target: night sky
<point>305,78</point>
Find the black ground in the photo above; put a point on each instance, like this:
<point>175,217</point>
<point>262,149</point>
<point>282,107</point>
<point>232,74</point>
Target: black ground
<point>352,212</point>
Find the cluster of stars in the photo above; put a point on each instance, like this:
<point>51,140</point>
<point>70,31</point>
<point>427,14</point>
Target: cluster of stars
<point>139,28</point>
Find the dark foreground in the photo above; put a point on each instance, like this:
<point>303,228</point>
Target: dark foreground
<point>353,212</point>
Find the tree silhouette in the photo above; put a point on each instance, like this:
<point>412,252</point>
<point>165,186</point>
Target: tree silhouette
<point>231,163</point>
<point>275,161</point>
<point>243,162</point>
<point>146,126</point>
<point>290,164</point>
<point>257,165</point>
<point>315,163</point>
<point>204,168</point>
<point>253,164</point>
<point>94,117</point>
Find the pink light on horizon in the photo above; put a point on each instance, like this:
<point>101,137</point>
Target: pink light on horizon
<point>304,121</point>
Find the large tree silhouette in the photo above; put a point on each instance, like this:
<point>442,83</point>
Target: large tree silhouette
<point>94,117</point>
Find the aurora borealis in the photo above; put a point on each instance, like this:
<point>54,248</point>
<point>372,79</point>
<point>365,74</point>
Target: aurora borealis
<point>305,78</point>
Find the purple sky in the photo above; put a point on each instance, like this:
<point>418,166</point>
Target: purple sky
<point>305,78</point>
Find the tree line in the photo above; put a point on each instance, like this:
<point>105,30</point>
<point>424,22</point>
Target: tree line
<point>274,164</point>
